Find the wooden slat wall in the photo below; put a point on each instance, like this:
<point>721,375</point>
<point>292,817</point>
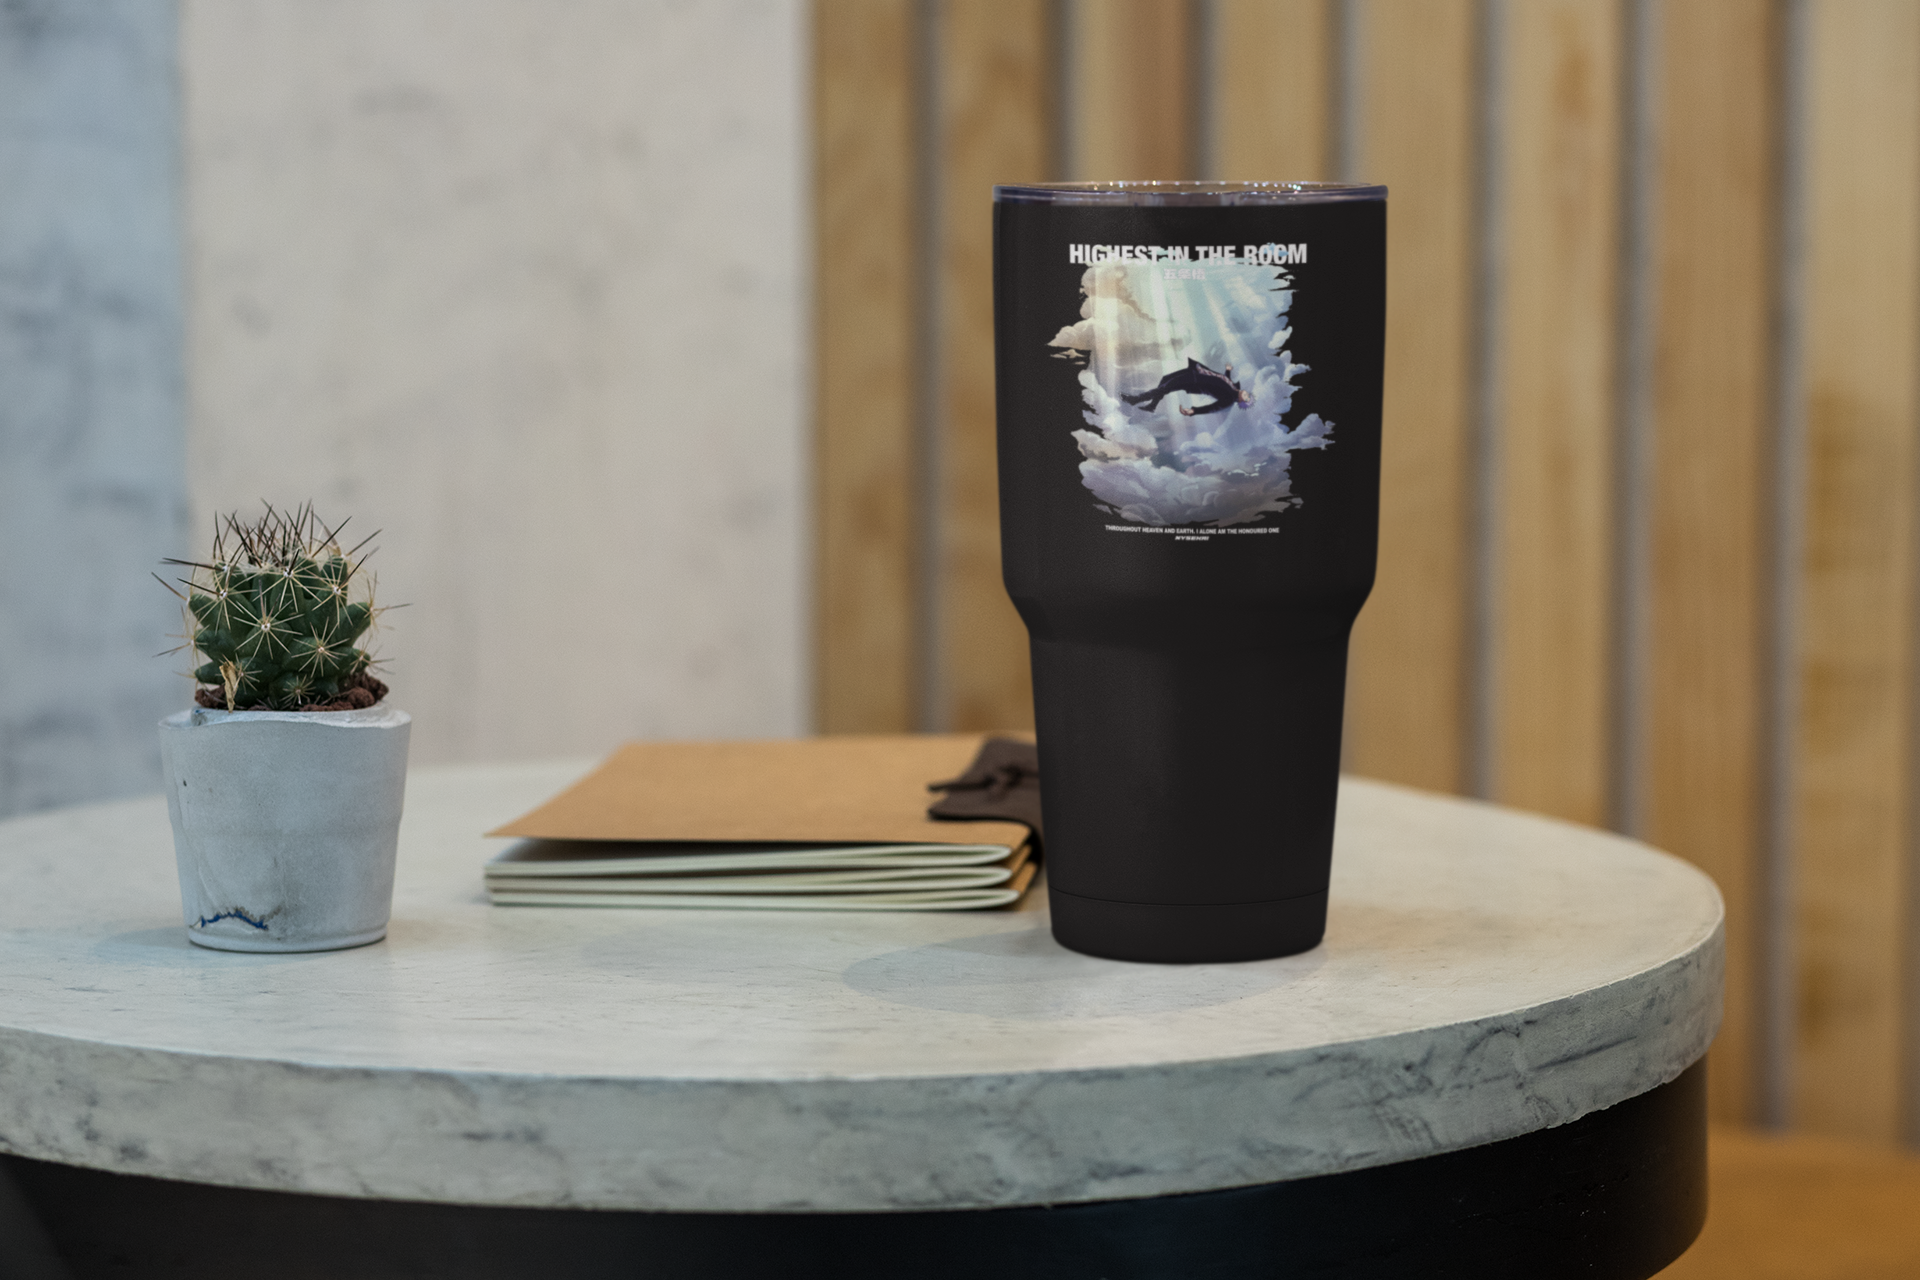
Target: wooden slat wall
<point>1274,101</point>
<point>1273,127</point>
<point>1559,207</point>
<point>1862,305</point>
<point>996,96</point>
<point>1121,45</point>
<point>866,318</point>
<point>1407,687</point>
<point>1712,383</point>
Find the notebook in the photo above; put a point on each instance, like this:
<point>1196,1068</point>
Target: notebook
<point>837,823</point>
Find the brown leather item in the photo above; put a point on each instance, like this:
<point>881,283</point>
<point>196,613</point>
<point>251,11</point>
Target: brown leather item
<point>1002,783</point>
<point>813,790</point>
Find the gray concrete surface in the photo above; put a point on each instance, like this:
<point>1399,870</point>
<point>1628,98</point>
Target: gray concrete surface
<point>92,454</point>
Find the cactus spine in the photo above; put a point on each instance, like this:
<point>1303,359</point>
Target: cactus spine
<point>273,618</point>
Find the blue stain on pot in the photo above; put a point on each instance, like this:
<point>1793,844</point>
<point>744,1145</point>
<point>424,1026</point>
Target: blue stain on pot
<point>235,914</point>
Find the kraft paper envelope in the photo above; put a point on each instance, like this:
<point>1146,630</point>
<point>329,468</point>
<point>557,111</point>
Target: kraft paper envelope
<point>825,790</point>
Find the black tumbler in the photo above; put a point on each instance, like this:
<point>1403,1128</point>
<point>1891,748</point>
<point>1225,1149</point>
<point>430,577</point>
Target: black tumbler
<point>1188,381</point>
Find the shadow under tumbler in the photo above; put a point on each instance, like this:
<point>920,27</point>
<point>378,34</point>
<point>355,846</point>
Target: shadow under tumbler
<point>1188,392</point>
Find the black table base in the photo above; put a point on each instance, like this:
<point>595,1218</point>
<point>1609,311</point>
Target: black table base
<point>1618,1194</point>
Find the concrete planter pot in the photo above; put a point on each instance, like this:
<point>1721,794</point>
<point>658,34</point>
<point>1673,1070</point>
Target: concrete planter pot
<point>285,824</point>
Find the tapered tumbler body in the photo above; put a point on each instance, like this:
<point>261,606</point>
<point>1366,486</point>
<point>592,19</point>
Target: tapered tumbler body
<point>1188,394</point>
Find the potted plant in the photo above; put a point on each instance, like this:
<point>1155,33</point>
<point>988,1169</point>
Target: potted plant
<point>285,781</point>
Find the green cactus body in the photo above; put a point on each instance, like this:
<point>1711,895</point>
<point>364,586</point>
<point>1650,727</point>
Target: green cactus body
<point>275,625</point>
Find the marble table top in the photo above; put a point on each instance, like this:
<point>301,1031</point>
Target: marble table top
<point>1486,973</point>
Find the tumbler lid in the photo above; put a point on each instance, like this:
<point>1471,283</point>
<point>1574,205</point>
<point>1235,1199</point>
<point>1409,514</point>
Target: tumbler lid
<point>1186,193</point>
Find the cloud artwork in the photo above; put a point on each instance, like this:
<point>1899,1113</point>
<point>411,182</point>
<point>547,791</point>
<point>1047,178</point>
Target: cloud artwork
<point>1187,384</point>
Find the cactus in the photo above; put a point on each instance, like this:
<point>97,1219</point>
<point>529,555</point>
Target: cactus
<point>274,616</point>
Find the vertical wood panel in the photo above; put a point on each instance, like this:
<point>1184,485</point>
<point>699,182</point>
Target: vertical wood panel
<point>1132,98</point>
<point>865,285</point>
<point>1272,125</point>
<point>1560,207</point>
<point>1712,381</point>
<point>1406,707</point>
<point>1711,377</point>
<point>994,70</point>
<point>1864,224</point>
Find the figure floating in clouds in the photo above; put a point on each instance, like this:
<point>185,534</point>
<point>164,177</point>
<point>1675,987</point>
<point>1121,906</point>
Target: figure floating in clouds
<point>1196,380</point>
<point>1219,345</point>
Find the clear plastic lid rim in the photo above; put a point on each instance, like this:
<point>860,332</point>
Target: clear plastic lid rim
<point>1164,194</point>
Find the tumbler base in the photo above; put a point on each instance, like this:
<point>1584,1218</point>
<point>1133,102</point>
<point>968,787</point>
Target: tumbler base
<point>1172,934</point>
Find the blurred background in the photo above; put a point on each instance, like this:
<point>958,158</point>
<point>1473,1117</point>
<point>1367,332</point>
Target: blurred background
<point>655,339</point>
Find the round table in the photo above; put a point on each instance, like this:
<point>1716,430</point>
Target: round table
<point>1495,1052</point>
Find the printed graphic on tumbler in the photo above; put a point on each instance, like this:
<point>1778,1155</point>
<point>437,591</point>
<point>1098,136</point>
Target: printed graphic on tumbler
<point>1188,385</point>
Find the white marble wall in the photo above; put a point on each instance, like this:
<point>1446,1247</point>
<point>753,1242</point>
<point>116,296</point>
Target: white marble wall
<point>523,285</point>
<point>92,477</point>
